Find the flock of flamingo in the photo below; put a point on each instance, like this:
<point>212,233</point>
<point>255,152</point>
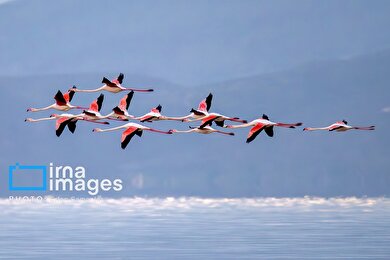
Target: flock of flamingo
<point>120,113</point>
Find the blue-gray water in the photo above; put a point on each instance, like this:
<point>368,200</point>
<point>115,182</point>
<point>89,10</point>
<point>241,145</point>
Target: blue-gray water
<point>194,228</point>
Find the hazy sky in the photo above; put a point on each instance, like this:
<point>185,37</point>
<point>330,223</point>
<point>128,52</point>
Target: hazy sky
<point>329,61</point>
<point>189,42</point>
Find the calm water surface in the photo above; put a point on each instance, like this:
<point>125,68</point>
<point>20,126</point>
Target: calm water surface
<point>194,228</point>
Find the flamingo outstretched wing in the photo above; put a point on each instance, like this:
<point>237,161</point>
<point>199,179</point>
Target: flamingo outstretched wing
<point>208,120</point>
<point>253,133</point>
<point>109,83</point>
<point>205,104</point>
<point>60,124</point>
<point>124,103</point>
<point>60,100</point>
<point>96,105</point>
<point>128,134</point>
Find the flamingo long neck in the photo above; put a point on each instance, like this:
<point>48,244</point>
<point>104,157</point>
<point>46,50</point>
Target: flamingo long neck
<point>41,109</point>
<point>171,118</point>
<point>316,128</point>
<point>185,117</point>
<point>90,90</point>
<point>196,118</point>
<point>41,119</point>
<point>113,129</point>
<point>77,107</point>
<point>185,131</point>
<point>241,126</point>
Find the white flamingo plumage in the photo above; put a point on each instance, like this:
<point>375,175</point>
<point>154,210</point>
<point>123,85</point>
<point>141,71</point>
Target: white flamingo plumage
<point>340,126</point>
<point>113,86</point>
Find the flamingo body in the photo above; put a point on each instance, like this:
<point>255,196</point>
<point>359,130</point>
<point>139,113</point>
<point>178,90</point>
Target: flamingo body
<point>340,126</point>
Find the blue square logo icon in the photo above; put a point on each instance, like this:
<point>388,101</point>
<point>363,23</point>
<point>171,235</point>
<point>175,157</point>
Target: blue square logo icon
<point>27,177</point>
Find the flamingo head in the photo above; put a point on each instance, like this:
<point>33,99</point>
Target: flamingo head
<point>185,120</point>
<point>171,131</point>
<point>28,120</point>
<point>96,130</point>
<point>53,115</point>
<point>31,109</point>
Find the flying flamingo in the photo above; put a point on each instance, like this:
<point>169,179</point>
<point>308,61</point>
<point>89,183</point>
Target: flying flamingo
<point>204,130</point>
<point>63,120</point>
<point>131,130</point>
<point>217,118</point>
<point>113,86</point>
<point>120,111</point>
<point>93,112</point>
<point>155,115</point>
<point>202,111</point>
<point>340,126</point>
<point>62,102</point>
<point>260,124</point>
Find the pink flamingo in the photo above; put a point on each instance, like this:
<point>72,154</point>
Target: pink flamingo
<point>113,86</point>
<point>260,124</point>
